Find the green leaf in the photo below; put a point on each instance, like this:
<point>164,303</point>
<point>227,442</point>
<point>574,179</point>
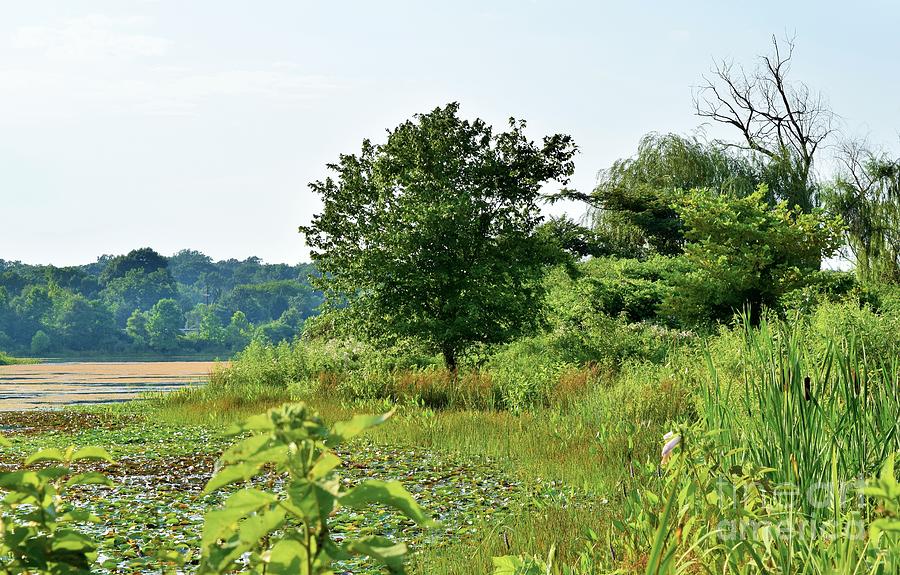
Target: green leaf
<point>258,526</point>
<point>219,523</point>
<point>379,548</point>
<point>4,442</point>
<point>314,502</point>
<point>390,493</point>
<point>288,557</point>
<point>512,565</point>
<point>89,478</point>
<point>51,454</point>
<point>231,474</point>
<point>326,463</point>
<point>68,540</point>
<point>92,452</point>
<point>343,431</point>
<point>261,422</point>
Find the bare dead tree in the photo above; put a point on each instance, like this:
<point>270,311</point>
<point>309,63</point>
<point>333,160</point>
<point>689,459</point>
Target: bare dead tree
<point>782,120</point>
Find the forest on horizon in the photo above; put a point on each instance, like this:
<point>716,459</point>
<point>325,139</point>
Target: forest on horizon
<point>145,303</point>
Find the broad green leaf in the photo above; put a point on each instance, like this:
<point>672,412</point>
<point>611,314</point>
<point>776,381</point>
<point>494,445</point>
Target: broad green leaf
<point>288,557</point>
<point>246,448</point>
<point>53,473</point>
<point>4,442</point>
<point>68,540</point>
<point>324,465</point>
<point>219,523</point>
<point>247,535</point>
<point>51,454</point>
<point>343,431</point>
<point>888,525</point>
<point>231,474</point>
<point>314,501</point>
<point>79,515</point>
<point>511,565</point>
<point>89,478</point>
<point>380,548</point>
<point>261,422</point>
<point>390,493</point>
<point>92,452</point>
<point>258,526</point>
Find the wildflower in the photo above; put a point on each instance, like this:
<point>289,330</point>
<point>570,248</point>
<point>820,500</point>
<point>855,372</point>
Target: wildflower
<point>672,441</point>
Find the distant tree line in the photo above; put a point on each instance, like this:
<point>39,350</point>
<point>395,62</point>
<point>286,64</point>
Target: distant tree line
<point>145,302</point>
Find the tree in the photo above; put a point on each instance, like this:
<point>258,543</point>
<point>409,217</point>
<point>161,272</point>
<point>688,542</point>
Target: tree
<point>238,334</point>
<point>189,266</point>
<point>782,122</point>
<point>40,342</point>
<point>745,252</point>
<point>164,322</point>
<point>632,202</point>
<point>431,235</point>
<point>144,259</point>
<point>137,289</point>
<point>866,193</point>
<point>136,328</point>
<point>81,324</point>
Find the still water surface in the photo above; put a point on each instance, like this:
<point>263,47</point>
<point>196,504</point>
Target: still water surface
<point>50,385</point>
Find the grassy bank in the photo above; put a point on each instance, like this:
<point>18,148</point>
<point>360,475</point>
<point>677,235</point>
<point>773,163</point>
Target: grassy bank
<point>810,403</point>
<point>9,360</point>
<point>523,452</point>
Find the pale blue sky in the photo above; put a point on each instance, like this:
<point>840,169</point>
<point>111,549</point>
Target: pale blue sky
<point>197,124</point>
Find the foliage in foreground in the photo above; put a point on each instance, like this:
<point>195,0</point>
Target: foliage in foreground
<point>287,532</point>
<point>38,528</point>
<point>281,531</point>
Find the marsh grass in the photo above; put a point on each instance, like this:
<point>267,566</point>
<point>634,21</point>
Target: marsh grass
<point>6,359</point>
<point>595,432</point>
<point>798,410</point>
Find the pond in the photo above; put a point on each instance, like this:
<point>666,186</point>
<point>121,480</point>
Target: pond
<point>49,385</point>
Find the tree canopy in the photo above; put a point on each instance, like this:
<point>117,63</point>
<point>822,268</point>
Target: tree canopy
<point>431,235</point>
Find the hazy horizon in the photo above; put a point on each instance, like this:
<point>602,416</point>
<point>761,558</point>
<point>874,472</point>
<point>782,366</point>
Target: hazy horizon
<point>198,126</point>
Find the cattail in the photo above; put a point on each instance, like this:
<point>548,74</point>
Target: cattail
<point>806,388</point>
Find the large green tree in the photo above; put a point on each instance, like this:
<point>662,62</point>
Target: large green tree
<point>164,322</point>
<point>632,203</point>
<point>431,235</point>
<point>745,252</point>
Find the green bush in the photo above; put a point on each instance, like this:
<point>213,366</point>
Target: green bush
<point>826,286</point>
<point>40,342</point>
<point>39,527</point>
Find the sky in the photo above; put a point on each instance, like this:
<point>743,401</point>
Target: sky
<point>198,124</point>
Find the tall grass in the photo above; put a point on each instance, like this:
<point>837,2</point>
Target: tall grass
<point>6,359</point>
<point>796,409</point>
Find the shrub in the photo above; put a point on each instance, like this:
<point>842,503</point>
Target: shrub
<point>821,287</point>
<point>40,342</point>
<point>38,530</point>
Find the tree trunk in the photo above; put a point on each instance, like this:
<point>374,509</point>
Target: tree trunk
<point>450,360</point>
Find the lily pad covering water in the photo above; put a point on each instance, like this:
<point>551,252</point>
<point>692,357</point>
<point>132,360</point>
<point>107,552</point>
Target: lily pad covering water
<point>156,503</point>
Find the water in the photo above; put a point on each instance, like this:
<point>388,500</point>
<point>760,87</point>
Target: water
<point>50,385</point>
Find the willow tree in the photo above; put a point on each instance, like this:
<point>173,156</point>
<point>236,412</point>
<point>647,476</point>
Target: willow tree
<point>632,204</point>
<point>866,193</point>
<point>431,235</point>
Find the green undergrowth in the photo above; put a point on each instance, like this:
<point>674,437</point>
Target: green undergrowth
<point>6,359</point>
